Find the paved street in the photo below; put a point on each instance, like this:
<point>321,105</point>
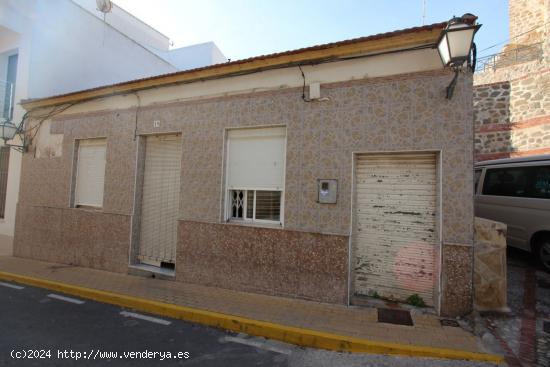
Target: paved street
<point>521,333</point>
<point>38,320</point>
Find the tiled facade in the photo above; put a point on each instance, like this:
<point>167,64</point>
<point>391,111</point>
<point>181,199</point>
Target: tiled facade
<point>399,113</point>
<point>264,260</point>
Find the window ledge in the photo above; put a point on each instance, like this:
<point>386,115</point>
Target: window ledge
<point>254,224</point>
<point>88,208</point>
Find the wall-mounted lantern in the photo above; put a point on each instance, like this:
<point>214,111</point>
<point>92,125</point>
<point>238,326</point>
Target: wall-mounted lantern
<point>8,131</point>
<point>456,43</point>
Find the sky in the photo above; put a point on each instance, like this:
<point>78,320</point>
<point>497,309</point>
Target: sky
<point>246,28</point>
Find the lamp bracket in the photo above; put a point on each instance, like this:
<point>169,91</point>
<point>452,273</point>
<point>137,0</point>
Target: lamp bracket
<point>452,85</point>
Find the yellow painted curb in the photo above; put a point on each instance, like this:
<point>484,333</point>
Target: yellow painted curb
<point>287,334</point>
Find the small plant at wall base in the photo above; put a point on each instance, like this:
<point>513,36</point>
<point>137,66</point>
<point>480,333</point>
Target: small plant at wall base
<point>374,294</point>
<point>416,300</point>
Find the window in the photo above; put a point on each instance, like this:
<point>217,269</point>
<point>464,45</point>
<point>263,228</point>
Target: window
<point>255,205</point>
<point>8,87</point>
<point>255,174</point>
<point>541,182</point>
<point>506,182</point>
<point>477,176</point>
<point>530,182</point>
<point>90,173</point>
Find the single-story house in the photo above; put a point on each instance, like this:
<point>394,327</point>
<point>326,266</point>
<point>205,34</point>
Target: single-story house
<point>329,173</point>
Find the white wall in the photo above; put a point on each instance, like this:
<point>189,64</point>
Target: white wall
<point>11,41</point>
<point>194,56</point>
<point>62,48</point>
<point>72,50</point>
<point>128,24</point>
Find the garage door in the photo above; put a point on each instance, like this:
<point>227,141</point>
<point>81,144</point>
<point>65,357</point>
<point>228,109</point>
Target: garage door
<point>160,200</point>
<point>395,225</point>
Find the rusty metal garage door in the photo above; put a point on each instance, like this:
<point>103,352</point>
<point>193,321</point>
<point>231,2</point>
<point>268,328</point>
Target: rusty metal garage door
<point>394,232</point>
<point>160,200</point>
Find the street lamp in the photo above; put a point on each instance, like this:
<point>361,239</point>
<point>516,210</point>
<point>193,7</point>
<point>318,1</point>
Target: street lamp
<point>456,43</point>
<point>8,131</point>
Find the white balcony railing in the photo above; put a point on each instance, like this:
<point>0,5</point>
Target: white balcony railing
<point>7,92</point>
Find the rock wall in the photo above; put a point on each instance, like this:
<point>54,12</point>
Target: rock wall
<point>489,265</point>
<point>512,98</point>
<point>526,15</point>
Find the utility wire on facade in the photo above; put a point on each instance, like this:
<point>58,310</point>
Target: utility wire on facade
<point>516,36</point>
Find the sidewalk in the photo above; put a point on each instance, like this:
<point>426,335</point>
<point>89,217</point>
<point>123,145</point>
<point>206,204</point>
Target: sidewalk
<point>353,322</point>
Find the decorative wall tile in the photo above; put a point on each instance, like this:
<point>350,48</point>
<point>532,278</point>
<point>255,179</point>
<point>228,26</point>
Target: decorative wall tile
<point>399,113</point>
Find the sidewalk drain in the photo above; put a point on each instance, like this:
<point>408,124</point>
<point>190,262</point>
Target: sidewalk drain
<point>449,322</point>
<point>391,316</point>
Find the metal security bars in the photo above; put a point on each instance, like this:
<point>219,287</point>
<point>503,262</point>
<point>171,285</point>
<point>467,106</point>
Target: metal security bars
<point>256,205</point>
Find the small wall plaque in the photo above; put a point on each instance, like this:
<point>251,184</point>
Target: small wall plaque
<point>328,191</point>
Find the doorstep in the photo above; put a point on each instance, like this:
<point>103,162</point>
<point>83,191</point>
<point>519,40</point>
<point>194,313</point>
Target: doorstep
<point>150,271</point>
<point>305,323</point>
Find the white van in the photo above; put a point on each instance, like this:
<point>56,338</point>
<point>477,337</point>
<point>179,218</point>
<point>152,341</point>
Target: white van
<point>516,191</point>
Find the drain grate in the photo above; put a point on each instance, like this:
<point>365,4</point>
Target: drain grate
<point>398,317</point>
<point>546,327</point>
<point>449,322</point>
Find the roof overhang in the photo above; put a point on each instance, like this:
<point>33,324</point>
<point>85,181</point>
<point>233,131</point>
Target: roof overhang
<point>403,39</point>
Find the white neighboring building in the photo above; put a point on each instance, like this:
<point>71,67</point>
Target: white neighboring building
<point>50,47</point>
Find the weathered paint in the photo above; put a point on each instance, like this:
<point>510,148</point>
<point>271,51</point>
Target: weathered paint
<point>395,225</point>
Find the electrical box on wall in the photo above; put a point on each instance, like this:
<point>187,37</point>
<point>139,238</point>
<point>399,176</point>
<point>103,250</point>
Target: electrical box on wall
<point>314,91</point>
<point>328,191</point>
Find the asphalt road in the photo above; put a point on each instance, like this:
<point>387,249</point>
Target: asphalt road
<point>58,332</point>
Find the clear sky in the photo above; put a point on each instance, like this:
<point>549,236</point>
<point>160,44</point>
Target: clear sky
<point>245,28</point>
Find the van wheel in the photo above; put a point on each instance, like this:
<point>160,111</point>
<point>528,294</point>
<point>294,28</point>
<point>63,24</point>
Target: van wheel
<point>543,252</point>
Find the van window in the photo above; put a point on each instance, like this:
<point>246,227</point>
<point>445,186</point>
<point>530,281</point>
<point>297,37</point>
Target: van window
<point>477,176</point>
<point>541,185</point>
<point>532,182</point>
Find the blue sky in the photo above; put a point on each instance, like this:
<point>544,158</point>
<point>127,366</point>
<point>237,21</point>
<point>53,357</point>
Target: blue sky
<point>245,28</point>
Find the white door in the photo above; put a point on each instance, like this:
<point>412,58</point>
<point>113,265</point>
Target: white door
<point>160,200</point>
<point>394,232</point>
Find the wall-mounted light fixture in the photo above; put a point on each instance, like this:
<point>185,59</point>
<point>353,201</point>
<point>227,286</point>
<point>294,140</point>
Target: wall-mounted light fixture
<point>455,45</point>
<point>8,131</point>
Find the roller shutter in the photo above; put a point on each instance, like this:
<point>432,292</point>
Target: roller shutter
<point>90,174</point>
<point>160,199</point>
<point>394,232</point>
<point>256,158</point>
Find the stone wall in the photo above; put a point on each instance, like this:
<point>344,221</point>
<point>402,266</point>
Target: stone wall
<point>492,104</point>
<point>526,15</point>
<point>399,113</point>
<point>512,117</point>
<point>512,101</point>
<point>490,265</point>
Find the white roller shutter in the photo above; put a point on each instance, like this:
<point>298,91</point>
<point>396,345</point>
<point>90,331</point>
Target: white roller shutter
<point>160,199</point>
<point>395,225</point>
<point>90,174</point>
<point>256,158</point>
